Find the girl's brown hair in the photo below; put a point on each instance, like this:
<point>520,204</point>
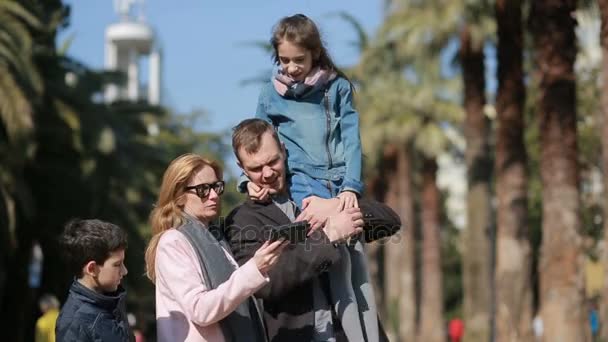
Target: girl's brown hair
<point>171,199</point>
<point>302,31</point>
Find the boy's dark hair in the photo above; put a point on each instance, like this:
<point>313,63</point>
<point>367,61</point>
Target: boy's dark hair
<point>90,240</point>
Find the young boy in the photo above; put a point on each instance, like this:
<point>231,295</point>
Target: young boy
<point>95,309</point>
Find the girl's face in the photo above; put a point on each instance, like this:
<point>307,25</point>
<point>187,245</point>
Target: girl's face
<point>296,61</point>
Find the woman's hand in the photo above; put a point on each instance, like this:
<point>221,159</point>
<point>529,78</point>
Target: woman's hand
<point>258,193</point>
<point>348,199</point>
<point>268,254</point>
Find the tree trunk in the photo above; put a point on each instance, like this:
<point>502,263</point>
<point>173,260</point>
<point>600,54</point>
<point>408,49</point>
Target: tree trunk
<point>561,263</point>
<point>392,251</point>
<point>513,267</point>
<point>405,210</point>
<point>399,249</point>
<point>432,327</point>
<point>397,252</point>
<point>603,5</point>
<point>375,251</point>
<point>477,254</point>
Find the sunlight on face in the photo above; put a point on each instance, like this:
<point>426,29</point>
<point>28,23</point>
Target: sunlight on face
<point>296,61</point>
<point>208,208</point>
<point>266,167</point>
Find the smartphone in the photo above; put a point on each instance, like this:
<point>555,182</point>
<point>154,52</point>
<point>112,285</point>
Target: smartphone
<point>294,232</point>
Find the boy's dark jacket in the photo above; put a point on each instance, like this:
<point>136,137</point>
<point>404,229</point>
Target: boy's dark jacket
<point>91,316</point>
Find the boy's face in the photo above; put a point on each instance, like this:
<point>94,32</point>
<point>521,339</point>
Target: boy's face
<point>109,275</point>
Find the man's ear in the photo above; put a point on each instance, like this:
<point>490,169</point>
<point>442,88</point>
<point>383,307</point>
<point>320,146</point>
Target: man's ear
<point>91,269</point>
<point>283,149</point>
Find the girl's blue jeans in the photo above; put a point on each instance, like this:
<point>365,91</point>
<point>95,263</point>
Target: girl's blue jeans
<point>302,186</point>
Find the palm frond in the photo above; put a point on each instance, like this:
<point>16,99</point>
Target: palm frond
<point>362,37</point>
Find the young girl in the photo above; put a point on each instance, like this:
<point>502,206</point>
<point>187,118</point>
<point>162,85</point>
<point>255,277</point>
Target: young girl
<point>309,102</point>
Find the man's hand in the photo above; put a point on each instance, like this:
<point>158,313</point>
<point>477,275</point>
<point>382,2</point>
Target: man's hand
<point>348,199</point>
<point>258,193</point>
<point>347,223</point>
<point>316,210</point>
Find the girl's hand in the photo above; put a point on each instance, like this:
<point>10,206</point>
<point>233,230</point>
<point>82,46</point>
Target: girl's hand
<point>348,199</point>
<point>257,193</point>
<point>268,255</point>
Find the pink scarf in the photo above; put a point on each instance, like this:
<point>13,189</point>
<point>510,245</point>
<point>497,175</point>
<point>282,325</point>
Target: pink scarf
<point>316,78</point>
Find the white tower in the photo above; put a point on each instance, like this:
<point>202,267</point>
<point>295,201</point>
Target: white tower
<point>126,43</point>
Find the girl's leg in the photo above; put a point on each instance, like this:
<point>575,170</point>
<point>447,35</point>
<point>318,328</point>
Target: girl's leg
<point>302,186</point>
<point>364,292</point>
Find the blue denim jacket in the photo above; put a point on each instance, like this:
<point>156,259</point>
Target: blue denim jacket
<point>320,132</point>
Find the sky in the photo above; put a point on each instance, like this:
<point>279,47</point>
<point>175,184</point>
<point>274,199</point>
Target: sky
<point>204,43</point>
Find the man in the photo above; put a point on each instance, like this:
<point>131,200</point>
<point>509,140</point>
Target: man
<point>297,302</point>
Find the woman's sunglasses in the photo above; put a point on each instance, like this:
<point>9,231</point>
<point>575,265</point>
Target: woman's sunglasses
<point>203,189</point>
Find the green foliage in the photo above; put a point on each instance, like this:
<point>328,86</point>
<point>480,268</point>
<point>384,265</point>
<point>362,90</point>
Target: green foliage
<point>65,153</point>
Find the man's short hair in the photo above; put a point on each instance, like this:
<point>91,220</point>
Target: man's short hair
<point>90,240</point>
<point>248,135</point>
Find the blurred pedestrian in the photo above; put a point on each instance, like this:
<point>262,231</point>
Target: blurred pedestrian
<point>45,325</point>
<point>455,330</point>
<point>537,327</point>
<point>139,336</point>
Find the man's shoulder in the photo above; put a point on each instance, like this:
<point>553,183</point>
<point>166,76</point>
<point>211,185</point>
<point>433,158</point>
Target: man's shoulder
<point>247,209</point>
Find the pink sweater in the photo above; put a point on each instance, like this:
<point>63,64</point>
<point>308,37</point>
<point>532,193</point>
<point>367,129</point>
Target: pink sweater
<point>186,310</point>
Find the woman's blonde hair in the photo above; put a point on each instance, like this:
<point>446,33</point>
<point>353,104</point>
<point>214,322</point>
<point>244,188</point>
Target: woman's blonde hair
<point>171,199</point>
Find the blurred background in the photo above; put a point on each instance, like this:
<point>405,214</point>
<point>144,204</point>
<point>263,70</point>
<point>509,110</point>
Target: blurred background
<point>483,125</point>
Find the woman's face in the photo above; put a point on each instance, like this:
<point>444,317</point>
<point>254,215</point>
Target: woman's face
<point>208,207</point>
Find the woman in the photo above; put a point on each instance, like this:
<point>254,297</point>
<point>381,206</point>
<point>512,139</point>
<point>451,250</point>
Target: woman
<point>201,293</point>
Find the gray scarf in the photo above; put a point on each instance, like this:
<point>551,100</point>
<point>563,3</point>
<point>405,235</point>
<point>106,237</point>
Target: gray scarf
<point>244,323</point>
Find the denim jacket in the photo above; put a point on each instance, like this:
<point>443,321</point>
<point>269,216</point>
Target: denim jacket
<point>320,132</point>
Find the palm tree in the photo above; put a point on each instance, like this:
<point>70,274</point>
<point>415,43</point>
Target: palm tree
<point>513,267</point>
<point>19,77</point>
<point>389,165</point>
<point>476,269</point>
<point>603,6</point>
<point>431,317</point>
<point>428,27</point>
<point>20,83</point>
<point>562,305</point>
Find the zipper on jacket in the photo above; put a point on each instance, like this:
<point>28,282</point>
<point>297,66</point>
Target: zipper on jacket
<point>328,121</point>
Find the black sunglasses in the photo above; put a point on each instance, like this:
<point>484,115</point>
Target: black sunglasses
<point>202,190</point>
